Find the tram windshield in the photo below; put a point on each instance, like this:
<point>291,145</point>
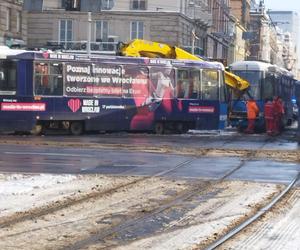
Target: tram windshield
<point>254,78</point>
<point>8,77</point>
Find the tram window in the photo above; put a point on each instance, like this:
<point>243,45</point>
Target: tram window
<point>182,83</point>
<point>48,79</point>
<point>8,78</point>
<point>195,84</point>
<point>223,93</point>
<point>268,87</point>
<point>188,84</point>
<point>56,79</point>
<point>254,78</point>
<point>210,85</point>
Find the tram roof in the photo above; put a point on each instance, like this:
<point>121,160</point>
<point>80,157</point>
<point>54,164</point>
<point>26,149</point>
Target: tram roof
<point>50,56</point>
<point>260,66</point>
<point>6,52</point>
<point>250,65</point>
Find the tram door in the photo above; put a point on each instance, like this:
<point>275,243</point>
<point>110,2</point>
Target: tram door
<point>16,105</point>
<point>213,97</point>
<point>8,90</point>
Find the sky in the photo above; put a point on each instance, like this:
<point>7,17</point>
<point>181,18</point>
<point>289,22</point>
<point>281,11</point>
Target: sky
<point>293,5</point>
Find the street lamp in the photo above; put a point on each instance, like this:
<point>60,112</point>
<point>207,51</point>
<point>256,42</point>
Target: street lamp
<point>89,32</point>
<point>194,38</point>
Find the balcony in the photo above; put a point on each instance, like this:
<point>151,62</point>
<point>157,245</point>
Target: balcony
<point>200,14</point>
<point>81,47</point>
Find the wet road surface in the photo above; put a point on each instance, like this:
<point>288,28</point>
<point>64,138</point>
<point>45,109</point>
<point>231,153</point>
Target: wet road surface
<point>79,160</point>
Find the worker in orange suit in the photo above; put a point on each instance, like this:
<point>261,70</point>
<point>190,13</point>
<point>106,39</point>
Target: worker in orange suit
<point>269,117</point>
<point>278,114</point>
<point>252,113</point>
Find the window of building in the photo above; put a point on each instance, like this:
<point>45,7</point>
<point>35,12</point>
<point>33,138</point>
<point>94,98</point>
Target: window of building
<point>107,4</point>
<point>19,22</point>
<point>8,19</point>
<point>48,79</point>
<point>65,31</point>
<point>136,30</point>
<point>138,4</point>
<point>8,78</point>
<point>33,5</point>
<point>101,31</point>
<point>71,5</point>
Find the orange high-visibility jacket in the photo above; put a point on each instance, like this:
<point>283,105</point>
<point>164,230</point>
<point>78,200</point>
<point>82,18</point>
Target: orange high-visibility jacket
<point>278,107</point>
<point>269,110</point>
<point>252,109</point>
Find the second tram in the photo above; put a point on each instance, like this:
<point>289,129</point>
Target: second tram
<point>266,81</point>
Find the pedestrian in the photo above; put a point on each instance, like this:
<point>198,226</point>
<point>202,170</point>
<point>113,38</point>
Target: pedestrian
<point>278,114</point>
<point>252,113</point>
<point>269,116</point>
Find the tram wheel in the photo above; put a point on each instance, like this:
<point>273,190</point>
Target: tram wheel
<point>159,128</point>
<point>76,128</point>
<point>37,129</point>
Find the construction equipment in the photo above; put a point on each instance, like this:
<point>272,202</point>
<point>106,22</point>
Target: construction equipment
<point>143,48</point>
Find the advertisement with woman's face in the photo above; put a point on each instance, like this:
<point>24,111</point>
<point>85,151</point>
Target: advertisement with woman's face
<point>162,82</point>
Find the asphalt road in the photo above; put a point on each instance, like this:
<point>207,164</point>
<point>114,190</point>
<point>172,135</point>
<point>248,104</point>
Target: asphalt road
<point>34,155</point>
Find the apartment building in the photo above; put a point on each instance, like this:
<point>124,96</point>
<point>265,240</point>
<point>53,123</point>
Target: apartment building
<point>241,10</point>
<point>263,46</point>
<point>288,22</point>
<point>177,22</point>
<point>13,25</point>
<point>240,24</point>
<point>220,36</point>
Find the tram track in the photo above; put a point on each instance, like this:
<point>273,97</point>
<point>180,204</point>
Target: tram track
<point>259,152</point>
<point>242,226</point>
<point>129,220</point>
<point>51,208</point>
<point>155,212</point>
<point>196,189</point>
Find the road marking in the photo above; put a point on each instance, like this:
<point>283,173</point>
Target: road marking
<point>46,154</point>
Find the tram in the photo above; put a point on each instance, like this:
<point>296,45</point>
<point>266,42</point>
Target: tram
<point>45,90</point>
<point>266,82</point>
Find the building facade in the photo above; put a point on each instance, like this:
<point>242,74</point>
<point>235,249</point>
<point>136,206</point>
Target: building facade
<point>13,24</point>
<point>240,16</point>
<point>177,22</point>
<point>239,48</point>
<point>219,37</point>
<point>288,22</point>
<point>263,41</point>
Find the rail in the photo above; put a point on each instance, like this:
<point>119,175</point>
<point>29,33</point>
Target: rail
<point>252,219</point>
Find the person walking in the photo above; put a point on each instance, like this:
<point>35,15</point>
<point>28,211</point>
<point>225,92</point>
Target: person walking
<point>252,113</point>
<point>269,116</point>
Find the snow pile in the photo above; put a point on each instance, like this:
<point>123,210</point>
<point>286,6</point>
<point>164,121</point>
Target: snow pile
<point>20,184</point>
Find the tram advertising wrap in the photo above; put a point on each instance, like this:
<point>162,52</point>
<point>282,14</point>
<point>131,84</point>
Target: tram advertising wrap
<point>110,94</point>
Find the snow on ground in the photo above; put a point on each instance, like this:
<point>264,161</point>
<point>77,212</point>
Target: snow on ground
<point>20,192</point>
<point>213,216</point>
<point>279,229</point>
<point>213,210</point>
